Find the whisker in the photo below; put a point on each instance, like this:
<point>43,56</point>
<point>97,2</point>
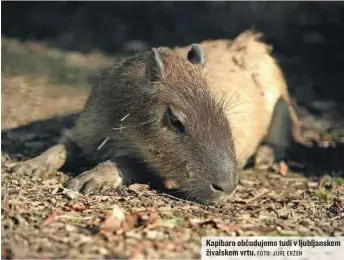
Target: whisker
<point>236,104</point>
<point>125,117</point>
<point>235,92</point>
<point>226,102</point>
<point>234,113</point>
<point>242,153</point>
<point>103,143</point>
<point>132,126</point>
<point>174,197</point>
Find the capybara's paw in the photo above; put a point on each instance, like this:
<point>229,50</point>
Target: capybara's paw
<point>43,165</point>
<point>105,176</point>
<point>264,157</point>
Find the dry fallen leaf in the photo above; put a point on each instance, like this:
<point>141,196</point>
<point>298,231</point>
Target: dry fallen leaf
<point>119,221</point>
<point>56,189</point>
<point>216,224</point>
<point>282,168</point>
<point>50,219</point>
<point>78,207</point>
<point>148,216</point>
<point>114,220</point>
<point>138,188</point>
<point>141,219</point>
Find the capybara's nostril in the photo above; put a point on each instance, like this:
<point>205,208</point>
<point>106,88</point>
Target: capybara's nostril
<point>216,187</point>
<point>226,186</point>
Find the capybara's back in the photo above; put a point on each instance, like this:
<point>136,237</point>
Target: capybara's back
<point>243,75</point>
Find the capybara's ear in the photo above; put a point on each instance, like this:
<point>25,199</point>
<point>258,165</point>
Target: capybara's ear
<point>156,66</point>
<point>196,55</point>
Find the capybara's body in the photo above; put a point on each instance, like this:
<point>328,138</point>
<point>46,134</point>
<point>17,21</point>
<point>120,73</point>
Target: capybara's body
<point>243,73</point>
<point>191,116</point>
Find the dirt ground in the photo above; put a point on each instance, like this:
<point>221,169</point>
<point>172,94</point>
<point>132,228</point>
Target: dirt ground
<point>44,88</point>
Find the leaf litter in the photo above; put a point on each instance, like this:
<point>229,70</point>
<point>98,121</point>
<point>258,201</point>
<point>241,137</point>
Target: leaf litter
<point>40,219</point>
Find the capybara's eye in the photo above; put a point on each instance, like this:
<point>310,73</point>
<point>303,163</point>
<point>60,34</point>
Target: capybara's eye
<point>175,122</point>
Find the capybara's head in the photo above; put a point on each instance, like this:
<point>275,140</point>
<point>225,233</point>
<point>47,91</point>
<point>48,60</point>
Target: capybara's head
<point>183,133</point>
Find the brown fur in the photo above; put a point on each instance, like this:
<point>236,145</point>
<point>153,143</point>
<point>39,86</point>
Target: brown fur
<point>227,106</point>
<point>247,77</point>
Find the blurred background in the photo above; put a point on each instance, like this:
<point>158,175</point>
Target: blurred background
<point>62,43</point>
<point>311,32</point>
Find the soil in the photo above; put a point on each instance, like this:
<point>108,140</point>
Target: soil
<point>43,89</point>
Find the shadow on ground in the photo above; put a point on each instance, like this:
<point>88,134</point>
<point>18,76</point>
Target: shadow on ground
<point>31,139</point>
